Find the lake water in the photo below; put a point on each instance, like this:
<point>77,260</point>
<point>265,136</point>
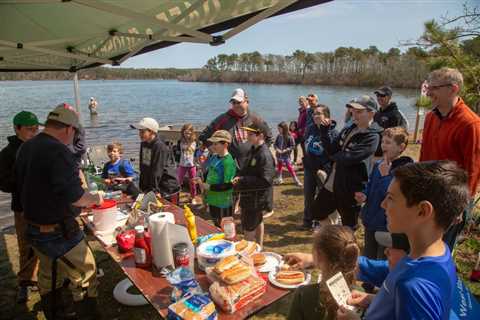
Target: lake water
<point>122,102</point>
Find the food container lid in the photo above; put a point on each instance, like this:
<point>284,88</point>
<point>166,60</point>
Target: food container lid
<point>107,204</point>
<point>216,249</point>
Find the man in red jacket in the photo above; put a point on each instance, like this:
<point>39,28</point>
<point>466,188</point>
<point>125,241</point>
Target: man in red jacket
<point>451,132</point>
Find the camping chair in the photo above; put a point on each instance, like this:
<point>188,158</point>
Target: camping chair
<point>97,156</point>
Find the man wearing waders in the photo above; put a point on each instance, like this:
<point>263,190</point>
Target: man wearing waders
<point>51,196</point>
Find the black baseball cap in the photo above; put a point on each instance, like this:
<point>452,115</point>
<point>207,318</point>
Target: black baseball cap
<point>393,240</point>
<point>258,127</point>
<point>384,91</point>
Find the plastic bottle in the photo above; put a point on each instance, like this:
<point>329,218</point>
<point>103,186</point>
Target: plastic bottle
<point>191,226</point>
<point>143,256</point>
<point>228,227</point>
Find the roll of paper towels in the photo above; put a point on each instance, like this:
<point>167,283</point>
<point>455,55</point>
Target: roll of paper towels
<point>161,249</point>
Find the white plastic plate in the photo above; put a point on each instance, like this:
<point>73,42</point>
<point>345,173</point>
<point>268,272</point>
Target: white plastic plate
<point>271,278</point>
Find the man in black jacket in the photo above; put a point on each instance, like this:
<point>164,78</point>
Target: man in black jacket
<point>388,115</point>
<point>351,152</point>
<point>255,183</point>
<point>233,121</point>
<point>157,171</point>
<point>26,127</point>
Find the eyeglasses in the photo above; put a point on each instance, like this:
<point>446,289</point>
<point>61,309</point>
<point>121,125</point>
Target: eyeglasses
<point>379,95</point>
<point>439,86</point>
<point>234,102</point>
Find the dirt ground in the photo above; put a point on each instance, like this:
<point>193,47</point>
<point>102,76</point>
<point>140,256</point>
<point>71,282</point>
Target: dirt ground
<point>282,236</point>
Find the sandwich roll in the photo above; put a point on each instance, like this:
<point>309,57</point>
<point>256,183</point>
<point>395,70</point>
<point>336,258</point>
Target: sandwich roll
<point>241,245</point>
<point>236,274</point>
<point>225,264</point>
<point>259,259</point>
<point>290,277</point>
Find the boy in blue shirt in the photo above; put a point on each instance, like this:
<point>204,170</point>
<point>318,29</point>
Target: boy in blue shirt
<point>394,142</point>
<point>422,201</point>
<point>464,305</point>
<point>118,173</point>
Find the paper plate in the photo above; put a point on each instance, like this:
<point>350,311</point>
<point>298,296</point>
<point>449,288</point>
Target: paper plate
<point>273,260</point>
<point>271,278</point>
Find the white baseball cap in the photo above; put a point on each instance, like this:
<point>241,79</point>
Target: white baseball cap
<point>146,123</point>
<point>238,95</point>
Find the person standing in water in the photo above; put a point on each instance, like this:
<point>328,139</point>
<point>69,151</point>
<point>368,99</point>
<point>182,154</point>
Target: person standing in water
<point>92,106</point>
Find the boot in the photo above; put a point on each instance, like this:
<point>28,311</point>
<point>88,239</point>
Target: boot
<point>87,309</point>
<point>57,311</point>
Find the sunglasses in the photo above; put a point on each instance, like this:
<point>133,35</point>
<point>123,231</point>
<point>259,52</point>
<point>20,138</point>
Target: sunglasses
<point>379,95</point>
<point>234,102</point>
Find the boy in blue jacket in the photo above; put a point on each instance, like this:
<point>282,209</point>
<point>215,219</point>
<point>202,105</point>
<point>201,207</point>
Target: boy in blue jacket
<point>394,143</point>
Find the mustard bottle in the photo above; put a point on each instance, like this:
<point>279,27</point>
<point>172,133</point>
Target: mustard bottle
<point>191,226</point>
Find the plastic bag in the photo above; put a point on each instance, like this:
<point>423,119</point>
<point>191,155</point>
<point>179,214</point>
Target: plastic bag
<point>184,283</point>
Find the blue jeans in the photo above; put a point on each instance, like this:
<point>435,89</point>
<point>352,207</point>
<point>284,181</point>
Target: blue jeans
<point>52,244</point>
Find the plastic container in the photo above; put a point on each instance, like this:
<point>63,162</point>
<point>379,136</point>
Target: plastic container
<point>210,252</point>
<point>105,216</point>
<point>143,255</point>
<point>228,227</point>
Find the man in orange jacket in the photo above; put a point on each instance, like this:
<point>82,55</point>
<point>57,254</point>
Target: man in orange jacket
<point>452,132</point>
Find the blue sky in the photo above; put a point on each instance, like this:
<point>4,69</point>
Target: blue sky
<point>356,23</point>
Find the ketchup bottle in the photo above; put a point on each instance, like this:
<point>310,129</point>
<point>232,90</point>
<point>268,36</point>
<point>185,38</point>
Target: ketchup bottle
<point>143,256</point>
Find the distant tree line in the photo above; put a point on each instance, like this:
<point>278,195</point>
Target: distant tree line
<point>99,73</point>
<point>345,66</point>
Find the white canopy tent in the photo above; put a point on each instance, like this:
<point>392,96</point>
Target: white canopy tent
<point>70,35</point>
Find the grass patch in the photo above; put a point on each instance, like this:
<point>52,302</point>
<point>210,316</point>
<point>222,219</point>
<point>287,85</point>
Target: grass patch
<point>283,235</point>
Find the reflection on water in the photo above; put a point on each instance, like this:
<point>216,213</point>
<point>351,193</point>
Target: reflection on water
<point>122,102</point>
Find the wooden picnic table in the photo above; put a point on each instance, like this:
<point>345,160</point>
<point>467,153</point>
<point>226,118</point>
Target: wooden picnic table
<point>156,289</point>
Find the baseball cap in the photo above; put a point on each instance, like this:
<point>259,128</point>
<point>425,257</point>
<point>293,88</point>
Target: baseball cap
<point>147,123</point>
<point>221,136</point>
<point>258,127</point>
<point>363,102</point>
<point>385,90</point>
<point>393,240</point>
<point>25,118</point>
<point>238,95</point>
<point>65,114</point>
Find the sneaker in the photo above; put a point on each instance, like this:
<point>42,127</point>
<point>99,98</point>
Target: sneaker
<point>268,214</point>
<point>298,183</point>
<point>278,181</point>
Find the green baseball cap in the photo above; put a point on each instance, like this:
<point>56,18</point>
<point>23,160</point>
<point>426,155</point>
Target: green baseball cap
<point>25,118</point>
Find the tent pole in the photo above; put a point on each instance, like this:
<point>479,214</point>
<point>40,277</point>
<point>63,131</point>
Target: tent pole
<point>76,92</point>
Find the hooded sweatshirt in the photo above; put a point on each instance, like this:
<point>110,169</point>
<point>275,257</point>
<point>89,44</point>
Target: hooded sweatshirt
<point>373,215</point>
<point>156,172</point>
<point>7,173</point>
<point>351,152</point>
<point>233,123</point>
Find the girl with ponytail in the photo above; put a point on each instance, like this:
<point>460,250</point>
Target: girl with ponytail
<point>334,250</point>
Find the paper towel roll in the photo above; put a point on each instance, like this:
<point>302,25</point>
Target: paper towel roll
<point>161,248</point>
